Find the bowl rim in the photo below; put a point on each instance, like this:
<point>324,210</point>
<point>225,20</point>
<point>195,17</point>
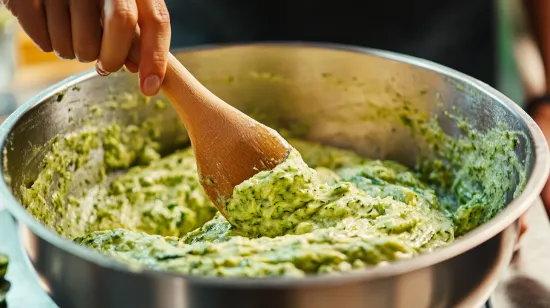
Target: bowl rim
<point>534,184</point>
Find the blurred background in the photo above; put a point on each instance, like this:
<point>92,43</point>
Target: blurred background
<point>25,70</point>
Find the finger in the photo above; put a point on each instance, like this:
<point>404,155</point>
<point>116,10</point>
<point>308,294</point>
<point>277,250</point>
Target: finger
<point>154,23</point>
<point>523,225</point>
<point>131,66</point>
<point>32,18</point>
<point>119,23</point>
<point>100,71</point>
<point>86,29</point>
<point>546,198</point>
<point>59,27</point>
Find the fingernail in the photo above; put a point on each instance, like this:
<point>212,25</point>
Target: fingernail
<point>151,85</point>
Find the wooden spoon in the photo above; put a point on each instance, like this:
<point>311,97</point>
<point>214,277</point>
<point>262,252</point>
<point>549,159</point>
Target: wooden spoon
<point>230,147</point>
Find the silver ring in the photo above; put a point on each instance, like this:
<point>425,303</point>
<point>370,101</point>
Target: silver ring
<point>100,71</point>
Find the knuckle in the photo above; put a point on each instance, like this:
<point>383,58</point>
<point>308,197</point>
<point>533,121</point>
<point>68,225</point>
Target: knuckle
<point>158,57</point>
<point>159,15</point>
<point>125,18</point>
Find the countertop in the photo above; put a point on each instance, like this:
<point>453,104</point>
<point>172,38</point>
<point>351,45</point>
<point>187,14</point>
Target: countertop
<point>25,292</point>
<point>526,283</point>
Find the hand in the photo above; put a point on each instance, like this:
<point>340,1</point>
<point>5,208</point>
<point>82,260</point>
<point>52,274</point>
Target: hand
<point>541,115</point>
<point>102,31</point>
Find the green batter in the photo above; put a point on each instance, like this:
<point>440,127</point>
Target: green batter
<point>324,210</point>
<point>289,221</point>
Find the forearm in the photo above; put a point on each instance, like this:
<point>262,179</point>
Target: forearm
<point>538,16</point>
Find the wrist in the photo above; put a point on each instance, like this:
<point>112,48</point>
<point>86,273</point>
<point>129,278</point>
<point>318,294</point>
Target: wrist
<point>541,114</point>
<point>537,104</point>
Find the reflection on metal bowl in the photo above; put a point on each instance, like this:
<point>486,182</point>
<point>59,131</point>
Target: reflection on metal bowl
<point>331,94</point>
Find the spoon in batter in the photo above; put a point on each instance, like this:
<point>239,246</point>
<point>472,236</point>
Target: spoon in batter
<point>230,147</point>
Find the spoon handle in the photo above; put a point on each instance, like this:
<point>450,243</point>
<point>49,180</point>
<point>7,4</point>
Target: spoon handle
<point>197,106</point>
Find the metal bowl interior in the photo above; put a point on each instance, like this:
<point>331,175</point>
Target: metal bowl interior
<point>353,98</point>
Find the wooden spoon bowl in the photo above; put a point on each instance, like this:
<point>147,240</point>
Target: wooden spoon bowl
<point>230,147</point>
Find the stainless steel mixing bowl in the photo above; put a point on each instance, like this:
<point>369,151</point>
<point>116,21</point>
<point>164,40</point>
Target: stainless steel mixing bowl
<point>340,95</point>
